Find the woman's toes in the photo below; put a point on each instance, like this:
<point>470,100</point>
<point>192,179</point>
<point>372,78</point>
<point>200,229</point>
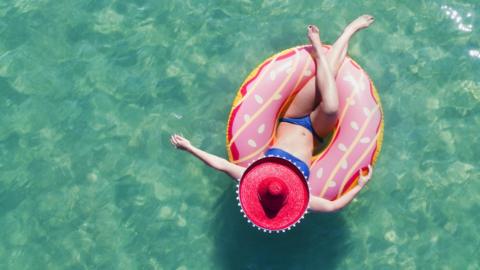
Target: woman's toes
<point>312,28</point>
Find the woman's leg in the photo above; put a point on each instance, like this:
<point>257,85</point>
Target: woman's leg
<point>337,53</point>
<point>307,98</point>
<point>324,77</point>
<point>324,116</point>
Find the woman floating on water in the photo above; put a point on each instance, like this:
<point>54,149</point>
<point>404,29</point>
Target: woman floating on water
<point>312,115</point>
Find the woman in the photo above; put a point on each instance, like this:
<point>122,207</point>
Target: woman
<point>311,115</point>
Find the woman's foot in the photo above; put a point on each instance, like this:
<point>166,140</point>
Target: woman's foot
<point>313,35</point>
<point>360,23</point>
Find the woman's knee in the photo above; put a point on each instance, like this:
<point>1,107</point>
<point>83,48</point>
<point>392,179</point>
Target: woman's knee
<point>330,108</point>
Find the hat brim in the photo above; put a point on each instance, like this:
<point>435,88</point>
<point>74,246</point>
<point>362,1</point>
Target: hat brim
<point>296,203</point>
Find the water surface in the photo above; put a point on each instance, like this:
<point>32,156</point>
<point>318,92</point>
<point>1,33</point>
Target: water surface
<point>91,90</point>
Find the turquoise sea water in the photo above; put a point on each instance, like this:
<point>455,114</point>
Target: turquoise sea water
<point>91,90</point>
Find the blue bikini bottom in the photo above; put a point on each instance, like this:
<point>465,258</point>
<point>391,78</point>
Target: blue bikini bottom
<point>305,122</point>
<point>284,154</point>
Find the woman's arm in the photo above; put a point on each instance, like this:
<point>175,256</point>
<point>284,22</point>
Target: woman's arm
<point>323,205</point>
<point>213,161</point>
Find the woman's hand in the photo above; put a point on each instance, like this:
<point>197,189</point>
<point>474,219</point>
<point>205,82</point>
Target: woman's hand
<point>323,205</point>
<point>363,179</point>
<point>211,160</point>
<point>180,142</point>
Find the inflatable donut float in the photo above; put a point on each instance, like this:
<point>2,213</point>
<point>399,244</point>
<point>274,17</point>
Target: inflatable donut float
<point>263,97</point>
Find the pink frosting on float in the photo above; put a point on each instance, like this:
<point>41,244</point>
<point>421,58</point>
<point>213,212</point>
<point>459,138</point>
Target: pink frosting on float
<point>262,97</point>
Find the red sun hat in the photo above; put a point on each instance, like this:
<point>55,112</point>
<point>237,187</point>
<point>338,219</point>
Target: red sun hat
<point>273,194</point>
